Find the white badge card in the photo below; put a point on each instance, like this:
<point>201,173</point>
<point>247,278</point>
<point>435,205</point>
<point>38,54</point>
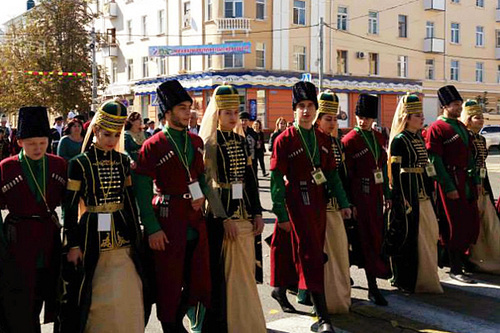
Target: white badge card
<point>237,190</point>
<point>482,173</point>
<point>195,190</point>
<point>430,170</point>
<point>318,176</point>
<point>378,175</point>
<point>104,222</point>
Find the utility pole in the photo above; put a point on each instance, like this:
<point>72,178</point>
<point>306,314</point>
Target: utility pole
<point>320,76</point>
<point>94,71</point>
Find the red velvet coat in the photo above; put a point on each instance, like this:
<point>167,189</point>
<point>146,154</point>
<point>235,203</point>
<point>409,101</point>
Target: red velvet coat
<point>308,219</point>
<point>368,198</point>
<point>460,227</point>
<point>33,232</point>
<point>158,160</point>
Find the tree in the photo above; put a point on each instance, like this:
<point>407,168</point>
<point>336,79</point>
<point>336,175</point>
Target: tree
<point>52,37</point>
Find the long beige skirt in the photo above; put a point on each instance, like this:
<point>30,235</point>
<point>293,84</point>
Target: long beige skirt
<point>244,310</point>
<point>485,254</point>
<point>337,277</point>
<point>117,300</point>
<point>428,236</point>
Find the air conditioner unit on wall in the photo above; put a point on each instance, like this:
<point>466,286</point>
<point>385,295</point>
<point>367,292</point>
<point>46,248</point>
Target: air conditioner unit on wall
<point>360,55</point>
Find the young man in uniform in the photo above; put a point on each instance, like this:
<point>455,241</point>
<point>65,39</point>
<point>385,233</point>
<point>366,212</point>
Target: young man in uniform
<point>450,150</point>
<point>30,234</point>
<point>366,162</point>
<point>304,156</point>
<point>175,226</point>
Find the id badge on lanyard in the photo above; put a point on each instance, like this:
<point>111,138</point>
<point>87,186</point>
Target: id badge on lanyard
<point>237,190</point>
<point>104,222</point>
<point>430,170</point>
<point>318,176</point>
<point>378,176</point>
<point>482,173</point>
<point>195,190</point>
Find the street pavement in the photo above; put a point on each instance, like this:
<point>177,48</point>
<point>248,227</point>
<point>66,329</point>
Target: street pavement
<point>461,309</point>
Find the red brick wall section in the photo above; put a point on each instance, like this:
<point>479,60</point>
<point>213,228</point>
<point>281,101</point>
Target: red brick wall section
<point>388,106</point>
<point>279,105</point>
<point>353,100</point>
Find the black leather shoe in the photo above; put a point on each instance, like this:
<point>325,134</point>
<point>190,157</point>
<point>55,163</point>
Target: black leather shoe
<point>283,302</point>
<point>376,297</point>
<point>462,278</point>
<point>326,328</point>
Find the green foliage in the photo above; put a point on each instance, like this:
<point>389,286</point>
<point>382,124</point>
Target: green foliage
<point>53,36</point>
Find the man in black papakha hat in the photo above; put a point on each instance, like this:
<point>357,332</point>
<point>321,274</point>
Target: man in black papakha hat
<point>173,159</point>
<point>30,235</point>
<point>450,150</point>
<point>366,162</point>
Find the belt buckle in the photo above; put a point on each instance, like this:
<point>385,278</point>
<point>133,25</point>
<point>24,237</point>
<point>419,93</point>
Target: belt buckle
<point>186,196</point>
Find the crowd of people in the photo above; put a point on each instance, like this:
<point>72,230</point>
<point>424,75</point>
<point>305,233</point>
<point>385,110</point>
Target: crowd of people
<point>172,216</point>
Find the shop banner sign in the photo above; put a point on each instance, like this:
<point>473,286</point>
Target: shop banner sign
<point>209,49</point>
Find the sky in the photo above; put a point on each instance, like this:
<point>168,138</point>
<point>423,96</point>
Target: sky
<point>10,9</point>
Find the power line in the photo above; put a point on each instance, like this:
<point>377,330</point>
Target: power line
<point>402,47</point>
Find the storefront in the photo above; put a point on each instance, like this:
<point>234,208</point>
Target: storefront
<point>267,95</point>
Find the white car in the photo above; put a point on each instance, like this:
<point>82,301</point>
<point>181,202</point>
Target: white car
<point>492,135</point>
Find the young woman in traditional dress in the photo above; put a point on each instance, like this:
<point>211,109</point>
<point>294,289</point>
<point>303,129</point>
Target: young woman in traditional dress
<point>234,219</point>
<point>414,262</point>
<point>106,240</point>
<point>337,277</point>
<point>485,254</point>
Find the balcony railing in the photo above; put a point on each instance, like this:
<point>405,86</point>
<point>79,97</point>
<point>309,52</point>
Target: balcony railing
<point>434,45</point>
<point>434,4</point>
<point>497,53</point>
<point>233,24</point>
<point>110,9</point>
<point>110,50</point>
<point>498,15</point>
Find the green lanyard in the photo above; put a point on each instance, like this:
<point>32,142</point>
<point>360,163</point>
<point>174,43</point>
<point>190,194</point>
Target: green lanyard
<point>311,158</point>
<point>374,150</point>
<point>182,158</point>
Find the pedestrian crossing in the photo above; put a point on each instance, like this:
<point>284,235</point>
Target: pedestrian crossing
<point>463,308</point>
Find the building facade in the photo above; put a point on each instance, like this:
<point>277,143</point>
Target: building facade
<point>379,47</point>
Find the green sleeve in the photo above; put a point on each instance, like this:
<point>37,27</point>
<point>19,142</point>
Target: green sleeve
<point>144,190</point>
<point>278,196</point>
<point>387,189</point>
<point>337,189</point>
<point>442,175</point>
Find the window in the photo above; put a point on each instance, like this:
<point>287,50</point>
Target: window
<point>480,3</point>
<point>145,67</point>
<point>454,70</point>
<point>161,21</point>
<point>233,60</point>
<point>261,10</point>
<point>497,38</point>
<point>479,72</point>
<point>130,69</point>
<point>402,66</point>
<point>260,55</point>
<point>341,62</point>
<point>479,36</point>
<point>373,63</point>
<point>429,69</point>
<point>129,30</point>
<point>186,18</point>
<point>342,18</point>
<point>299,12</point>
<point>209,9</point>
<point>498,74</point>
<point>429,29</point>
<point>455,33</point>
<point>161,64</point>
<point>403,26</point>
<point>373,23</point>
<point>455,1</point>
<point>114,72</point>
<point>299,58</point>
<point>233,8</point>
<point>261,107</point>
<point>186,63</point>
<point>144,25</point>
